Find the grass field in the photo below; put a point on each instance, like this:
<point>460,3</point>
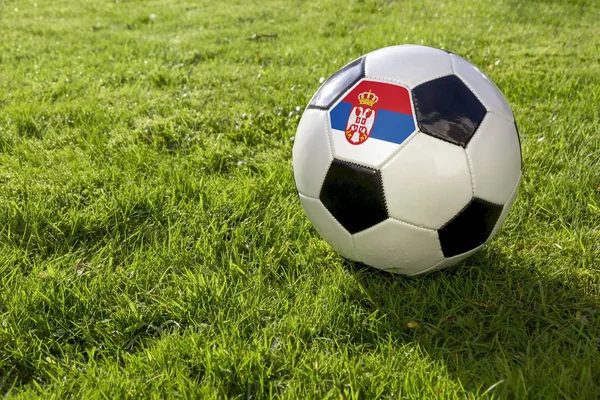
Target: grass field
<point>152,244</point>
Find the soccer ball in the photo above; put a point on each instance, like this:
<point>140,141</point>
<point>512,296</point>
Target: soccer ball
<point>407,159</point>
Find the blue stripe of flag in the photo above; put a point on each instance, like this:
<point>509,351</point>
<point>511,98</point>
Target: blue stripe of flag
<point>389,126</point>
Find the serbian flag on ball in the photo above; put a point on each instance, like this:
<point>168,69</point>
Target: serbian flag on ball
<point>373,111</point>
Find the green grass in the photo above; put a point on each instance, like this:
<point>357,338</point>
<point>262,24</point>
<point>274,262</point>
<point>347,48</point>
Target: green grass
<point>151,239</point>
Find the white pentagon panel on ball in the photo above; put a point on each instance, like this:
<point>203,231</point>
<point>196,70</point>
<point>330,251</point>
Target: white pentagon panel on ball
<point>371,122</point>
<point>427,183</point>
<point>327,226</point>
<point>483,87</point>
<point>398,247</point>
<point>408,64</point>
<point>506,209</point>
<point>495,156</point>
<point>311,155</point>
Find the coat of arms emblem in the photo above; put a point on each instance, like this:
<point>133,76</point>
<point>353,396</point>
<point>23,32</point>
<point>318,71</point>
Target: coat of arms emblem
<point>361,119</point>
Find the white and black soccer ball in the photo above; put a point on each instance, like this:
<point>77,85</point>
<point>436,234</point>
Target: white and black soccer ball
<point>407,159</point>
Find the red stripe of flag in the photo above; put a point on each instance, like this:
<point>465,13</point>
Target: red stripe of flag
<point>390,97</point>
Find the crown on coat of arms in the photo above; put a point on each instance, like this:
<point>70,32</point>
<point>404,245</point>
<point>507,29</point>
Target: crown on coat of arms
<point>368,98</point>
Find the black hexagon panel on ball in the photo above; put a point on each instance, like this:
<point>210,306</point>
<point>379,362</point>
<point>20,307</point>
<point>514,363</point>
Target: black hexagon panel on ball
<point>447,109</point>
<point>353,194</point>
<point>470,228</point>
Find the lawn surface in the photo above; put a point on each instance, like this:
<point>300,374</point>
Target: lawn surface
<point>152,243</point>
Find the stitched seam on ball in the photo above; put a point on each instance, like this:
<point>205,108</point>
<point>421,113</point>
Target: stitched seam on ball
<point>474,93</point>
<point>413,225</point>
<point>413,108</point>
<point>491,203</point>
<point>506,117</point>
<point>309,197</point>
<point>406,85</point>
<point>439,243</point>
<point>500,222</point>
<point>329,147</point>
<point>356,258</point>
<point>435,266</point>
<point>357,164</point>
<point>472,251</point>
<point>390,80</point>
<point>432,79</point>
<point>457,214</point>
<point>513,191</point>
<point>520,145</point>
<point>470,89</point>
<point>474,139</point>
<point>388,159</point>
<point>452,64</point>
<point>355,255</point>
<point>380,178</point>
<point>470,173</point>
<point>477,96</point>
<point>409,138</point>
